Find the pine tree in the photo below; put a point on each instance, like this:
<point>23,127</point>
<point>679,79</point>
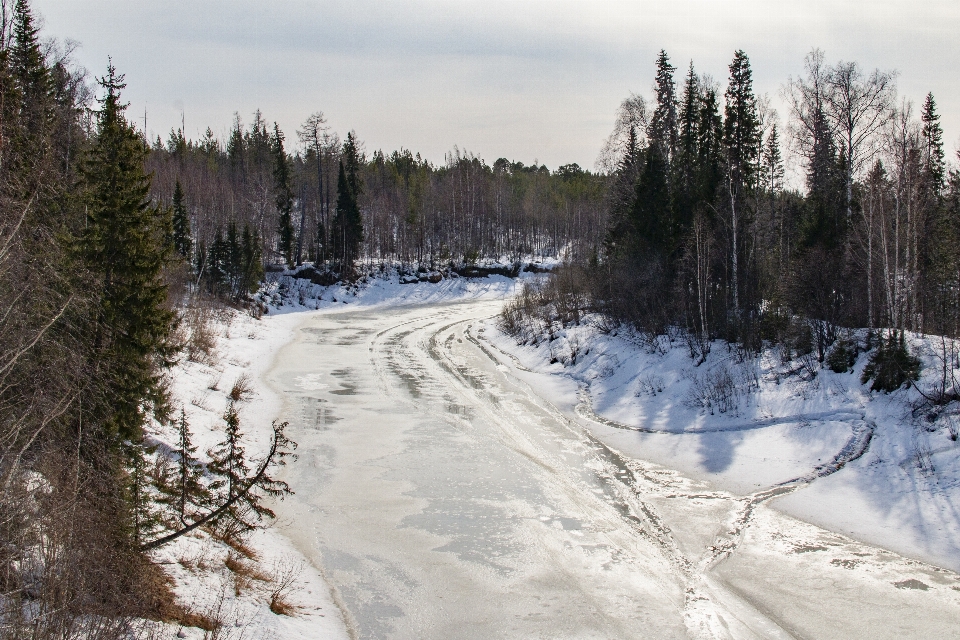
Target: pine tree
<point>124,246</point>
<point>284,197</point>
<point>182,242</point>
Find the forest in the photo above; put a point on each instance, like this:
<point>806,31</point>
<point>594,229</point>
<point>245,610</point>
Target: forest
<point>688,226</point>
<point>705,237</point>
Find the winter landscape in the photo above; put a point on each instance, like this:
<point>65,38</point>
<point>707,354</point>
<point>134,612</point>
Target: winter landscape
<point>258,380</point>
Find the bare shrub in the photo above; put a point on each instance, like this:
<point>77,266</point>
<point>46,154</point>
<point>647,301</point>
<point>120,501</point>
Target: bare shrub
<point>558,300</point>
<point>650,384</point>
<point>286,573</point>
<point>721,388</point>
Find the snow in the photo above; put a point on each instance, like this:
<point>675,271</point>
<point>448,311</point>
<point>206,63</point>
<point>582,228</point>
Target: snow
<point>640,398</point>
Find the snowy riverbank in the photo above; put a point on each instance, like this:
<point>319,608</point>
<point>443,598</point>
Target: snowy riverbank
<point>862,463</point>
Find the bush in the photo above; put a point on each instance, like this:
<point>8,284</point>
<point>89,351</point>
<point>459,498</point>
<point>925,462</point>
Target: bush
<point>842,357</point>
<point>891,365</point>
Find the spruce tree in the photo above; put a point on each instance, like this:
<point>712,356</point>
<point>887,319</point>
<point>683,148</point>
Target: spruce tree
<point>663,129</point>
<point>741,126</point>
<point>182,242</point>
<point>741,137</point>
<point>710,150</point>
<point>684,166</point>
<point>235,481</point>
<point>284,197</point>
<point>347,228</point>
<point>124,247</point>
<point>189,487</point>
<point>236,149</point>
<point>29,69</point>
<point>252,264</point>
<point>933,156</point>
<point>652,219</point>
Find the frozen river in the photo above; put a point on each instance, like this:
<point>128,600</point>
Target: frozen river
<point>442,497</point>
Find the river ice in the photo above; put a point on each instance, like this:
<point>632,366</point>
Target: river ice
<point>444,496</point>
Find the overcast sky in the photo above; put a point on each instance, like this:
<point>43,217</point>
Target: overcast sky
<point>521,79</point>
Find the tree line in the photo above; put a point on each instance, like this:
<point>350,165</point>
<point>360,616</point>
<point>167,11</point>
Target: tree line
<point>327,202</point>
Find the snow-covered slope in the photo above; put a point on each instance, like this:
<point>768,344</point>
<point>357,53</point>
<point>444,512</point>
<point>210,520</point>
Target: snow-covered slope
<point>864,464</point>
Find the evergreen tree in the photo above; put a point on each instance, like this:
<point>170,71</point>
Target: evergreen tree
<point>684,167</point>
<point>182,243</point>
<point>189,485</point>
<point>228,461</point>
<point>124,246</point>
<point>710,151</point>
<point>824,224</point>
<point>623,196</point>
<point>347,228</point>
<point>662,131</point>
<point>29,69</point>
<point>773,171</point>
<point>652,220</point>
<point>284,197</point>
<point>236,148</point>
<point>741,136</point>
<point>144,517</point>
<point>933,156</point>
<point>252,263</point>
<point>741,126</point>
<point>234,480</point>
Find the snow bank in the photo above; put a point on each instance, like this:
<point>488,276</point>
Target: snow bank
<point>749,426</point>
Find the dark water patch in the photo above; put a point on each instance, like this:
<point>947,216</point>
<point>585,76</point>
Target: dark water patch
<point>911,584</point>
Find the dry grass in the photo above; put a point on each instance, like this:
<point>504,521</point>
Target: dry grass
<point>242,389</point>
<point>201,342</point>
<point>245,572</point>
